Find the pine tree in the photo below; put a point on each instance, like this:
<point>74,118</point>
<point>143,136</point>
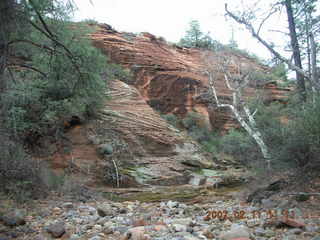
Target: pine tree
<point>194,37</point>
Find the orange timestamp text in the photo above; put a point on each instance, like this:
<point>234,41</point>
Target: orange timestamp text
<point>242,214</point>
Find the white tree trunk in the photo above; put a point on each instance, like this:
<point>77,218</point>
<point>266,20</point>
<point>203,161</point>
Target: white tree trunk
<point>249,126</point>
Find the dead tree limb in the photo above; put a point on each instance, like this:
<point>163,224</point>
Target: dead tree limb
<point>235,82</point>
<point>255,34</point>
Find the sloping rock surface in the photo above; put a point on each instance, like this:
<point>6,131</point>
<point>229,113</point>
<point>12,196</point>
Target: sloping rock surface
<point>149,149</point>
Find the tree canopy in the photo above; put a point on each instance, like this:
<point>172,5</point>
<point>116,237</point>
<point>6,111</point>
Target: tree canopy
<point>49,70</point>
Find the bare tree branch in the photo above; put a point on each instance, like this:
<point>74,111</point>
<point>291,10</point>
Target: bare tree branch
<point>264,43</point>
<point>278,31</point>
<point>265,19</point>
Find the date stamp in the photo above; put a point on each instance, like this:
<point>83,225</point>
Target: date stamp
<point>242,214</point>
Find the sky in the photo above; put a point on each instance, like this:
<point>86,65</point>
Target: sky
<point>170,19</point>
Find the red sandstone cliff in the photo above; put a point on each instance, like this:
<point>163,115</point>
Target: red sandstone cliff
<point>171,79</point>
<point>143,148</point>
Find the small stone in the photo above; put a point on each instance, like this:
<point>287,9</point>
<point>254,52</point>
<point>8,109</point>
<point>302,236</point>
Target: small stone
<point>208,234</point>
<point>237,231</point>
<point>268,203</point>
<point>269,233</point>
<point>228,222</point>
<point>67,205</point>
<point>39,237</point>
<point>56,211</point>
<point>284,204</point>
<point>136,233</point>
<point>190,229</point>
<point>97,228</point>
<point>260,232</point>
<point>179,227</point>
<point>14,218</point>
<point>123,210</point>
<point>312,228</point>
<point>95,238</point>
<point>292,222</point>
<point>105,210</point>
<point>74,237</point>
<point>183,221</point>
<point>253,222</point>
<point>107,230</point>
<point>172,204</point>
<point>295,231</point>
<point>290,237</point>
<point>56,229</point>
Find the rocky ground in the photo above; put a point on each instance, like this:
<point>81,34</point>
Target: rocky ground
<point>213,217</point>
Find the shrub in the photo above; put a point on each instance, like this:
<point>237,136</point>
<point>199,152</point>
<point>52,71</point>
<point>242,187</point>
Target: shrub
<point>294,144</point>
<point>280,72</point>
<point>90,21</point>
<point>171,119</point>
<point>212,144</point>
<point>240,145</point>
<point>191,120</point>
<point>115,71</point>
<point>259,77</point>
<point>302,137</point>
<point>20,176</point>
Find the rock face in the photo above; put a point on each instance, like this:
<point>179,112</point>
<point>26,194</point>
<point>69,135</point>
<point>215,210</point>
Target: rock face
<point>150,150</point>
<point>171,79</point>
<point>130,144</point>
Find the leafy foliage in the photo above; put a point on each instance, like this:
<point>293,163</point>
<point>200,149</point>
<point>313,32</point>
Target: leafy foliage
<point>171,119</point>
<point>280,72</point>
<point>69,87</point>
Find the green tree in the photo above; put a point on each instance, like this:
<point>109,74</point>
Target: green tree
<point>280,71</point>
<point>50,71</point>
<point>194,37</point>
